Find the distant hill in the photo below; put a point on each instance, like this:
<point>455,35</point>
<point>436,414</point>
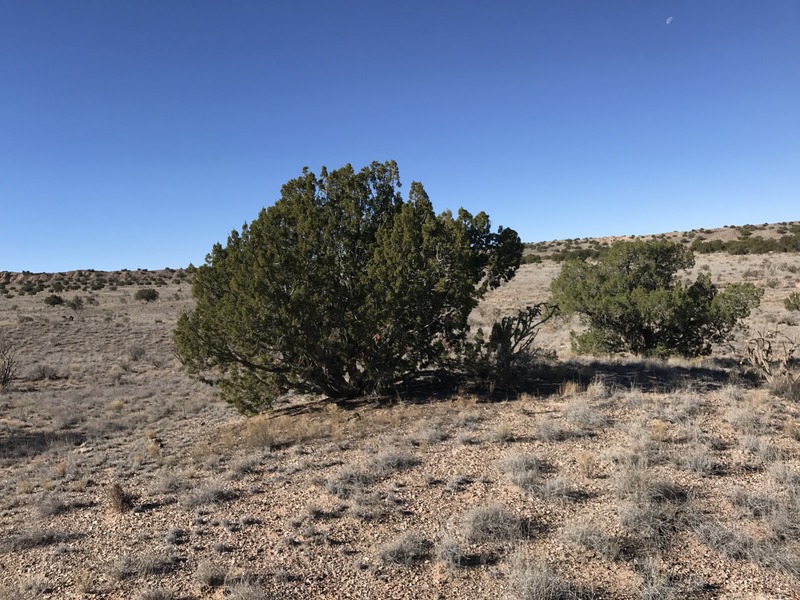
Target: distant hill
<point>734,239</point>
<point>86,280</point>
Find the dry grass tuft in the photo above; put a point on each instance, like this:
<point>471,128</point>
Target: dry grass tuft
<point>535,580</point>
<point>493,522</point>
<point>407,549</point>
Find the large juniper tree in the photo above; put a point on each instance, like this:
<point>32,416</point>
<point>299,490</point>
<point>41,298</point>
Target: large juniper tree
<point>340,288</point>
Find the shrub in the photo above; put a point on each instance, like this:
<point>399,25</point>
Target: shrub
<point>505,357</point>
<point>538,581</point>
<point>340,288</point>
<point>524,470</point>
<point>53,300</point>
<point>146,295</point>
<point>136,352</point>
<point>492,522</point>
<point>792,301</point>
<point>633,302</point>
<point>8,363</point>
<point>531,259</point>
<point>76,303</point>
<point>591,536</point>
<point>210,574</point>
<point>128,565</point>
<point>407,549</point>
<point>157,594</point>
<point>119,499</point>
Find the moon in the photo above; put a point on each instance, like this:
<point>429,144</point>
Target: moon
<point>669,20</point>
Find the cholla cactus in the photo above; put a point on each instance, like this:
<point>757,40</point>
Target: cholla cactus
<point>771,355</point>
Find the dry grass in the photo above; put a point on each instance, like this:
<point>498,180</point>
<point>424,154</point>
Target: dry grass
<point>407,549</point>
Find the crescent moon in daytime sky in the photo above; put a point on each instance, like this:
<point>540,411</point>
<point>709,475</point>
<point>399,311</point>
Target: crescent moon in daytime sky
<point>669,20</point>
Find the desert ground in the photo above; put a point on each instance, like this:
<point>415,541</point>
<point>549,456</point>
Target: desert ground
<point>617,478</point>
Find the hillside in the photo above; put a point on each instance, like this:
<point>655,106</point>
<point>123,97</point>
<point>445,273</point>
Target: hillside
<point>744,239</point>
<point>614,478</point>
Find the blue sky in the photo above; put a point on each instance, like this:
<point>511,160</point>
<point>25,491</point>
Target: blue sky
<point>136,134</point>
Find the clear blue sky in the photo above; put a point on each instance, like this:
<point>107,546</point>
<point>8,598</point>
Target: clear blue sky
<point>137,133</point>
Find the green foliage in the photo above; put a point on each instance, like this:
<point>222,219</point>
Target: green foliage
<point>792,301</point>
<point>340,288</point>
<point>146,295</point>
<point>53,300</point>
<point>633,302</point>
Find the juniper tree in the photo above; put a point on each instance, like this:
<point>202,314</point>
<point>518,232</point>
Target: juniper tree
<point>633,301</point>
<point>341,288</point>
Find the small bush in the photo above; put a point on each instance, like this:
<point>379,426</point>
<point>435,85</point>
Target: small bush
<point>592,537</point>
<point>792,301</point>
<point>524,470</point>
<point>136,352</point>
<point>348,481</point>
<point>210,574</point>
<point>77,303</point>
<point>492,523</point>
<point>451,551</point>
<point>33,538</point>
<point>146,295</point>
<point>538,581</point>
<point>157,595</point>
<point>8,363</point>
<point>209,493</point>
<point>245,590</point>
<point>389,461</point>
<point>656,585</point>
<point>652,524</point>
<point>54,300</point>
<point>581,414</point>
<point>119,499</point>
<point>699,460</point>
